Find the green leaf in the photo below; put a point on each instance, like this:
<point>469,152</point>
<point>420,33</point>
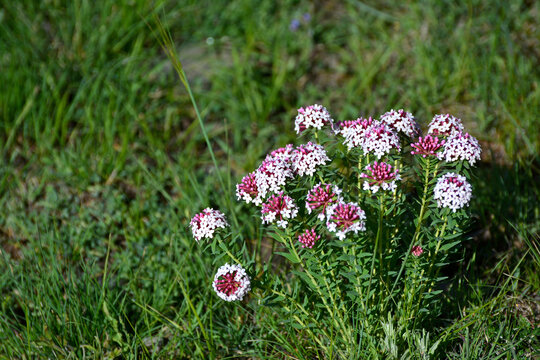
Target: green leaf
<point>291,257</point>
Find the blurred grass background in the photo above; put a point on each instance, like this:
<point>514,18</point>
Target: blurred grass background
<point>103,162</point>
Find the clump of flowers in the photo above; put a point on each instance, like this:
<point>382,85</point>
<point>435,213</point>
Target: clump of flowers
<point>401,121</point>
<point>320,197</point>
<point>307,158</point>
<point>314,116</point>
<point>284,154</point>
<point>380,175</point>
<point>461,146</point>
<point>380,139</point>
<point>279,209</point>
<point>204,224</point>
<point>272,175</point>
<point>452,191</point>
<point>309,238</point>
<point>353,131</point>
<point>445,125</point>
<point>417,250</point>
<point>427,146</point>
<point>343,218</point>
<point>247,190</point>
<point>231,283</point>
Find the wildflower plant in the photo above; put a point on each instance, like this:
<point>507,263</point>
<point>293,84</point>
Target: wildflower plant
<point>367,213</point>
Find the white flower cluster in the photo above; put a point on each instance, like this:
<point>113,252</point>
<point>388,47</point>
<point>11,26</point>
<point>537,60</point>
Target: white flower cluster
<point>380,139</point>
<point>231,282</point>
<point>314,116</point>
<point>306,158</point>
<point>354,131</point>
<point>343,218</point>
<point>461,146</point>
<point>279,208</point>
<point>401,121</point>
<point>272,175</point>
<point>444,125</point>
<point>204,224</point>
<point>452,191</point>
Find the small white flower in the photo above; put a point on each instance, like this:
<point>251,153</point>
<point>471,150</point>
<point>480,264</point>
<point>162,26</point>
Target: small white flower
<point>444,125</point>
<point>461,146</point>
<point>204,224</point>
<point>401,121</point>
<point>306,158</point>
<point>452,191</point>
<point>314,116</point>
<point>231,282</point>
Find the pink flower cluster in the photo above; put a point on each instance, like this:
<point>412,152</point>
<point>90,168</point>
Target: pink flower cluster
<point>461,146</point>
<point>314,116</point>
<point>231,282</point>
<point>417,250</point>
<point>452,191</point>
<point>379,175</point>
<point>343,218</point>
<point>309,238</point>
<point>247,190</point>
<point>306,158</point>
<point>353,131</point>
<point>380,139</point>
<point>204,224</point>
<point>427,146</point>
<point>272,175</point>
<point>320,197</point>
<point>279,208</point>
<point>401,121</point>
<point>445,125</point>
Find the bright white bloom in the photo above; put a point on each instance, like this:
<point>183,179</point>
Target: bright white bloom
<point>314,116</point>
<point>444,125</point>
<point>272,175</point>
<point>320,197</point>
<point>284,153</point>
<point>279,209</point>
<point>247,190</point>
<point>231,282</point>
<point>306,158</point>
<point>379,175</point>
<point>204,224</point>
<point>452,191</point>
<point>461,146</point>
<point>353,131</point>
<point>343,218</point>
<point>380,139</point>
<point>401,121</point>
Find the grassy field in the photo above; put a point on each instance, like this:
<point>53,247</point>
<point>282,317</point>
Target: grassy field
<point>103,163</point>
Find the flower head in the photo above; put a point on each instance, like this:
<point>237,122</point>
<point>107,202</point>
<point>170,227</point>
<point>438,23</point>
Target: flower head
<point>417,250</point>
<point>247,190</point>
<point>309,238</point>
<point>461,146</point>
<point>380,139</point>
<point>272,175</point>
<point>204,224</point>
<point>343,218</point>
<point>320,197</point>
<point>231,282</point>
<point>306,158</point>
<point>401,121</point>
<point>314,116</point>
<point>279,208</point>
<point>444,125</point>
<point>283,153</point>
<point>353,131</point>
<point>452,191</point>
<point>380,175</point>
<point>427,146</point>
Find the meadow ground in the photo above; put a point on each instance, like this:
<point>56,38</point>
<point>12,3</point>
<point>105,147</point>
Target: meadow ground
<point>103,162</point>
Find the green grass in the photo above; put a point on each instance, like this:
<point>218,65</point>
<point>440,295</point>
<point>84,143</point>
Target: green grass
<point>103,163</point>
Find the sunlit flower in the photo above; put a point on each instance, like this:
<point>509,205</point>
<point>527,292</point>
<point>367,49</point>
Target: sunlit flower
<point>279,209</point>
<point>343,218</point>
<point>380,139</point>
<point>444,125</point>
<point>272,175</point>
<point>353,131</point>
<point>427,146</point>
<point>401,121</point>
<point>314,116</point>
<point>320,197</point>
<point>452,191</point>
<point>284,153</point>
<point>231,282</point>
<point>417,250</point>
<point>309,238</point>
<point>247,190</point>
<point>204,224</point>
<point>380,175</point>
<point>461,146</point>
<point>306,158</point>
